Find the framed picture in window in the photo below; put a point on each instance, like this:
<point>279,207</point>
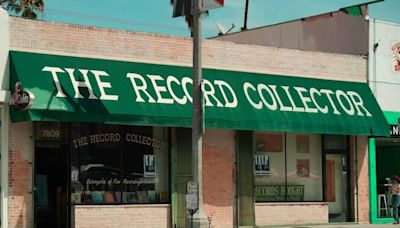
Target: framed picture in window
<point>149,165</point>
<point>302,144</point>
<point>261,165</point>
<point>303,168</point>
<point>269,142</point>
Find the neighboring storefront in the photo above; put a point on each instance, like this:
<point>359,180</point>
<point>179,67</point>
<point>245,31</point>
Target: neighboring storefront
<point>384,77</point>
<point>105,139</point>
<point>384,154</point>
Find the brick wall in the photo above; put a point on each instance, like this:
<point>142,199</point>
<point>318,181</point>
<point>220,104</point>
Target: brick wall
<point>20,175</point>
<point>361,177</point>
<point>218,177</point>
<point>122,216</point>
<point>291,213</point>
<point>88,41</point>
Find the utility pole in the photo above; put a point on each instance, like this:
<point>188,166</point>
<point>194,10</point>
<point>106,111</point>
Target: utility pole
<point>199,218</point>
<point>194,192</point>
<point>245,16</point>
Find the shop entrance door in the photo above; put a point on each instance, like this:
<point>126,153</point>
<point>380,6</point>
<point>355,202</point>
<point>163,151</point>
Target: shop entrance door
<point>336,187</point>
<point>51,203</point>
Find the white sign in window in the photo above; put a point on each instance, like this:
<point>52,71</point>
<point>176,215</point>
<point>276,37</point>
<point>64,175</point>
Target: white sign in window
<point>261,164</point>
<point>149,165</point>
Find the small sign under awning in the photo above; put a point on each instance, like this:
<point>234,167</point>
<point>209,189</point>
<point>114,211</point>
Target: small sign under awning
<point>394,130</point>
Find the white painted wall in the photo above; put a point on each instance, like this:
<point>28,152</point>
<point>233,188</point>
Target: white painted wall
<point>4,76</point>
<point>383,79</point>
<point>4,48</point>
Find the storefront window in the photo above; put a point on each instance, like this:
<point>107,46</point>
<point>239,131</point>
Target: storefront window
<point>113,164</point>
<point>119,164</point>
<point>145,178</point>
<point>287,167</point>
<point>96,163</point>
<point>387,163</point>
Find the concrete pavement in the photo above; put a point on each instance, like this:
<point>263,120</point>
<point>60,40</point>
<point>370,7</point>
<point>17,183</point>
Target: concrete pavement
<point>339,225</point>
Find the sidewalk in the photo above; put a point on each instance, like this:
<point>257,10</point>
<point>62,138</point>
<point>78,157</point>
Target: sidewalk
<point>338,225</point>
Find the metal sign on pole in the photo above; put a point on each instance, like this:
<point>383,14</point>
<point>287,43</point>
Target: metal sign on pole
<point>192,199</point>
<point>184,7</point>
<point>192,188</point>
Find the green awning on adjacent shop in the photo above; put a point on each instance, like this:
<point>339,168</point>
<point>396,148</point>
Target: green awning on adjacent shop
<point>96,90</point>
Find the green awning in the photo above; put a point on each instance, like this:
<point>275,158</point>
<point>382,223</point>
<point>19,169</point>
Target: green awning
<point>132,93</point>
<point>354,10</point>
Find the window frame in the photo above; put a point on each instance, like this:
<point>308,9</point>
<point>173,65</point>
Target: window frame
<point>284,150</point>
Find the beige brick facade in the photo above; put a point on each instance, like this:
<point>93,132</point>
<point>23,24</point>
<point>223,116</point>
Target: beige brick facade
<point>360,178</point>
<point>291,213</point>
<point>88,41</point>
<point>125,216</point>
<point>218,177</point>
<point>20,175</point>
<point>219,145</point>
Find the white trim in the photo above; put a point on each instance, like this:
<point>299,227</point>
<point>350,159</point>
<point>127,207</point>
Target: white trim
<point>4,165</point>
<point>4,97</point>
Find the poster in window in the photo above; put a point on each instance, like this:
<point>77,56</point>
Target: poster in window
<point>344,164</point>
<point>303,168</point>
<point>261,164</point>
<point>302,143</point>
<point>152,196</point>
<point>149,165</point>
<point>142,197</point>
<point>269,142</point>
<point>330,180</point>
<point>74,174</point>
<point>163,197</point>
<point>76,197</point>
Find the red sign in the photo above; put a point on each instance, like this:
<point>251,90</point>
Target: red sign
<point>20,99</point>
<point>212,4</point>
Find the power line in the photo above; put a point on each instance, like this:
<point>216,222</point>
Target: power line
<point>115,20</point>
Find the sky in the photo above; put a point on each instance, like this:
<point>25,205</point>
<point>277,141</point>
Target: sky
<point>156,15</point>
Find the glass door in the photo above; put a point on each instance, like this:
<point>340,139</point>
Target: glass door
<point>336,187</point>
<point>50,177</point>
<point>337,179</point>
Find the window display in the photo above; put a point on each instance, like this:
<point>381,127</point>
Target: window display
<point>115,164</point>
<point>294,173</point>
<point>119,164</point>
